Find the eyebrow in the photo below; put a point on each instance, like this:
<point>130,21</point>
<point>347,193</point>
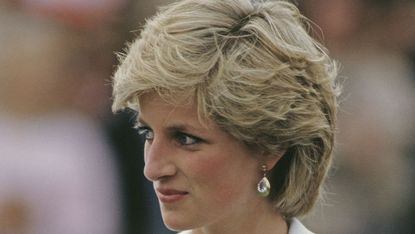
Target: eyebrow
<point>177,127</point>
<point>140,120</point>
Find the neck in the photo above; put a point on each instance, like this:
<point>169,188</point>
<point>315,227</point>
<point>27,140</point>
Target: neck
<point>259,219</point>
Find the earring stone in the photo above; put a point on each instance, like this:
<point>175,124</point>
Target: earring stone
<point>264,187</point>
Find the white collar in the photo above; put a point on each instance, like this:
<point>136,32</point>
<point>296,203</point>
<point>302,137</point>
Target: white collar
<point>296,227</point>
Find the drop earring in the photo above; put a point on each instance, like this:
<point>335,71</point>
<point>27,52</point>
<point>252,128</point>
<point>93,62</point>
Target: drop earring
<point>264,186</point>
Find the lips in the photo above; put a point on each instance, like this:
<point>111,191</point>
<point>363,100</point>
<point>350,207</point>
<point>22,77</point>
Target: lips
<point>170,195</point>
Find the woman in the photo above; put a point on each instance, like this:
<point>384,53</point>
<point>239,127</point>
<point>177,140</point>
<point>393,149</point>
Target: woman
<point>237,105</point>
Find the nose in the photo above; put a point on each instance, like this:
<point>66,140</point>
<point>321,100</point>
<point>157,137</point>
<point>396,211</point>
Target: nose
<point>158,164</point>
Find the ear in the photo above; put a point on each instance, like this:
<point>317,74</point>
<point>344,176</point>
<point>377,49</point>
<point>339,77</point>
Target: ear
<point>271,160</point>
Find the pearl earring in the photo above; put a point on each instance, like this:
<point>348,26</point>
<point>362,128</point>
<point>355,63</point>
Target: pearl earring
<point>264,186</point>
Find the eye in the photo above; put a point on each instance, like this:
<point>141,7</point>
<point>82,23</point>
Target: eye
<point>186,139</point>
<point>146,132</point>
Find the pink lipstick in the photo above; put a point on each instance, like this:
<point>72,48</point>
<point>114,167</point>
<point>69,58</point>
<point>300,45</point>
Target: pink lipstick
<point>170,195</point>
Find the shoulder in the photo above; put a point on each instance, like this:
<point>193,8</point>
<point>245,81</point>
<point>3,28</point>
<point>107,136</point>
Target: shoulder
<point>296,227</point>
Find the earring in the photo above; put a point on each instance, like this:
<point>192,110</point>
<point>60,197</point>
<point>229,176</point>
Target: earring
<point>264,186</point>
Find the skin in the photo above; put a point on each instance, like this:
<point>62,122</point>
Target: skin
<point>213,175</point>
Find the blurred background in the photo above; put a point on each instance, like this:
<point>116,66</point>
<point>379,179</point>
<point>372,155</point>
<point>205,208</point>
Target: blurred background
<point>67,165</point>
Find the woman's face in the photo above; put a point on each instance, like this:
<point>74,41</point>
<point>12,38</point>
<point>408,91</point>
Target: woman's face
<point>202,176</point>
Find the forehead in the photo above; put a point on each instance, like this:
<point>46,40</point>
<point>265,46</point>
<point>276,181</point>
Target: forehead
<point>153,100</point>
<point>153,107</point>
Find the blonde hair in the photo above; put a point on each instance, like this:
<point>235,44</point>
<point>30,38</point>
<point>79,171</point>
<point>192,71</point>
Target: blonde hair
<point>255,71</point>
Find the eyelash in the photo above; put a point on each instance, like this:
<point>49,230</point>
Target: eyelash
<point>145,131</point>
<point>180,137</point>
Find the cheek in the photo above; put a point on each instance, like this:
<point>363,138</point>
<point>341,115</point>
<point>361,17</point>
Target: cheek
<point>225,180</point>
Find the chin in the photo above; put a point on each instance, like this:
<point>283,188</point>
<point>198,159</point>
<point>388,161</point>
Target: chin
<point>176,222</point>
<point>176,226</point>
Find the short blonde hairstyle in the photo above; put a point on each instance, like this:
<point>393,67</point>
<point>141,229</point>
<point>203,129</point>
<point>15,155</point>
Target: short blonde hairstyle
<point>255,71</point>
